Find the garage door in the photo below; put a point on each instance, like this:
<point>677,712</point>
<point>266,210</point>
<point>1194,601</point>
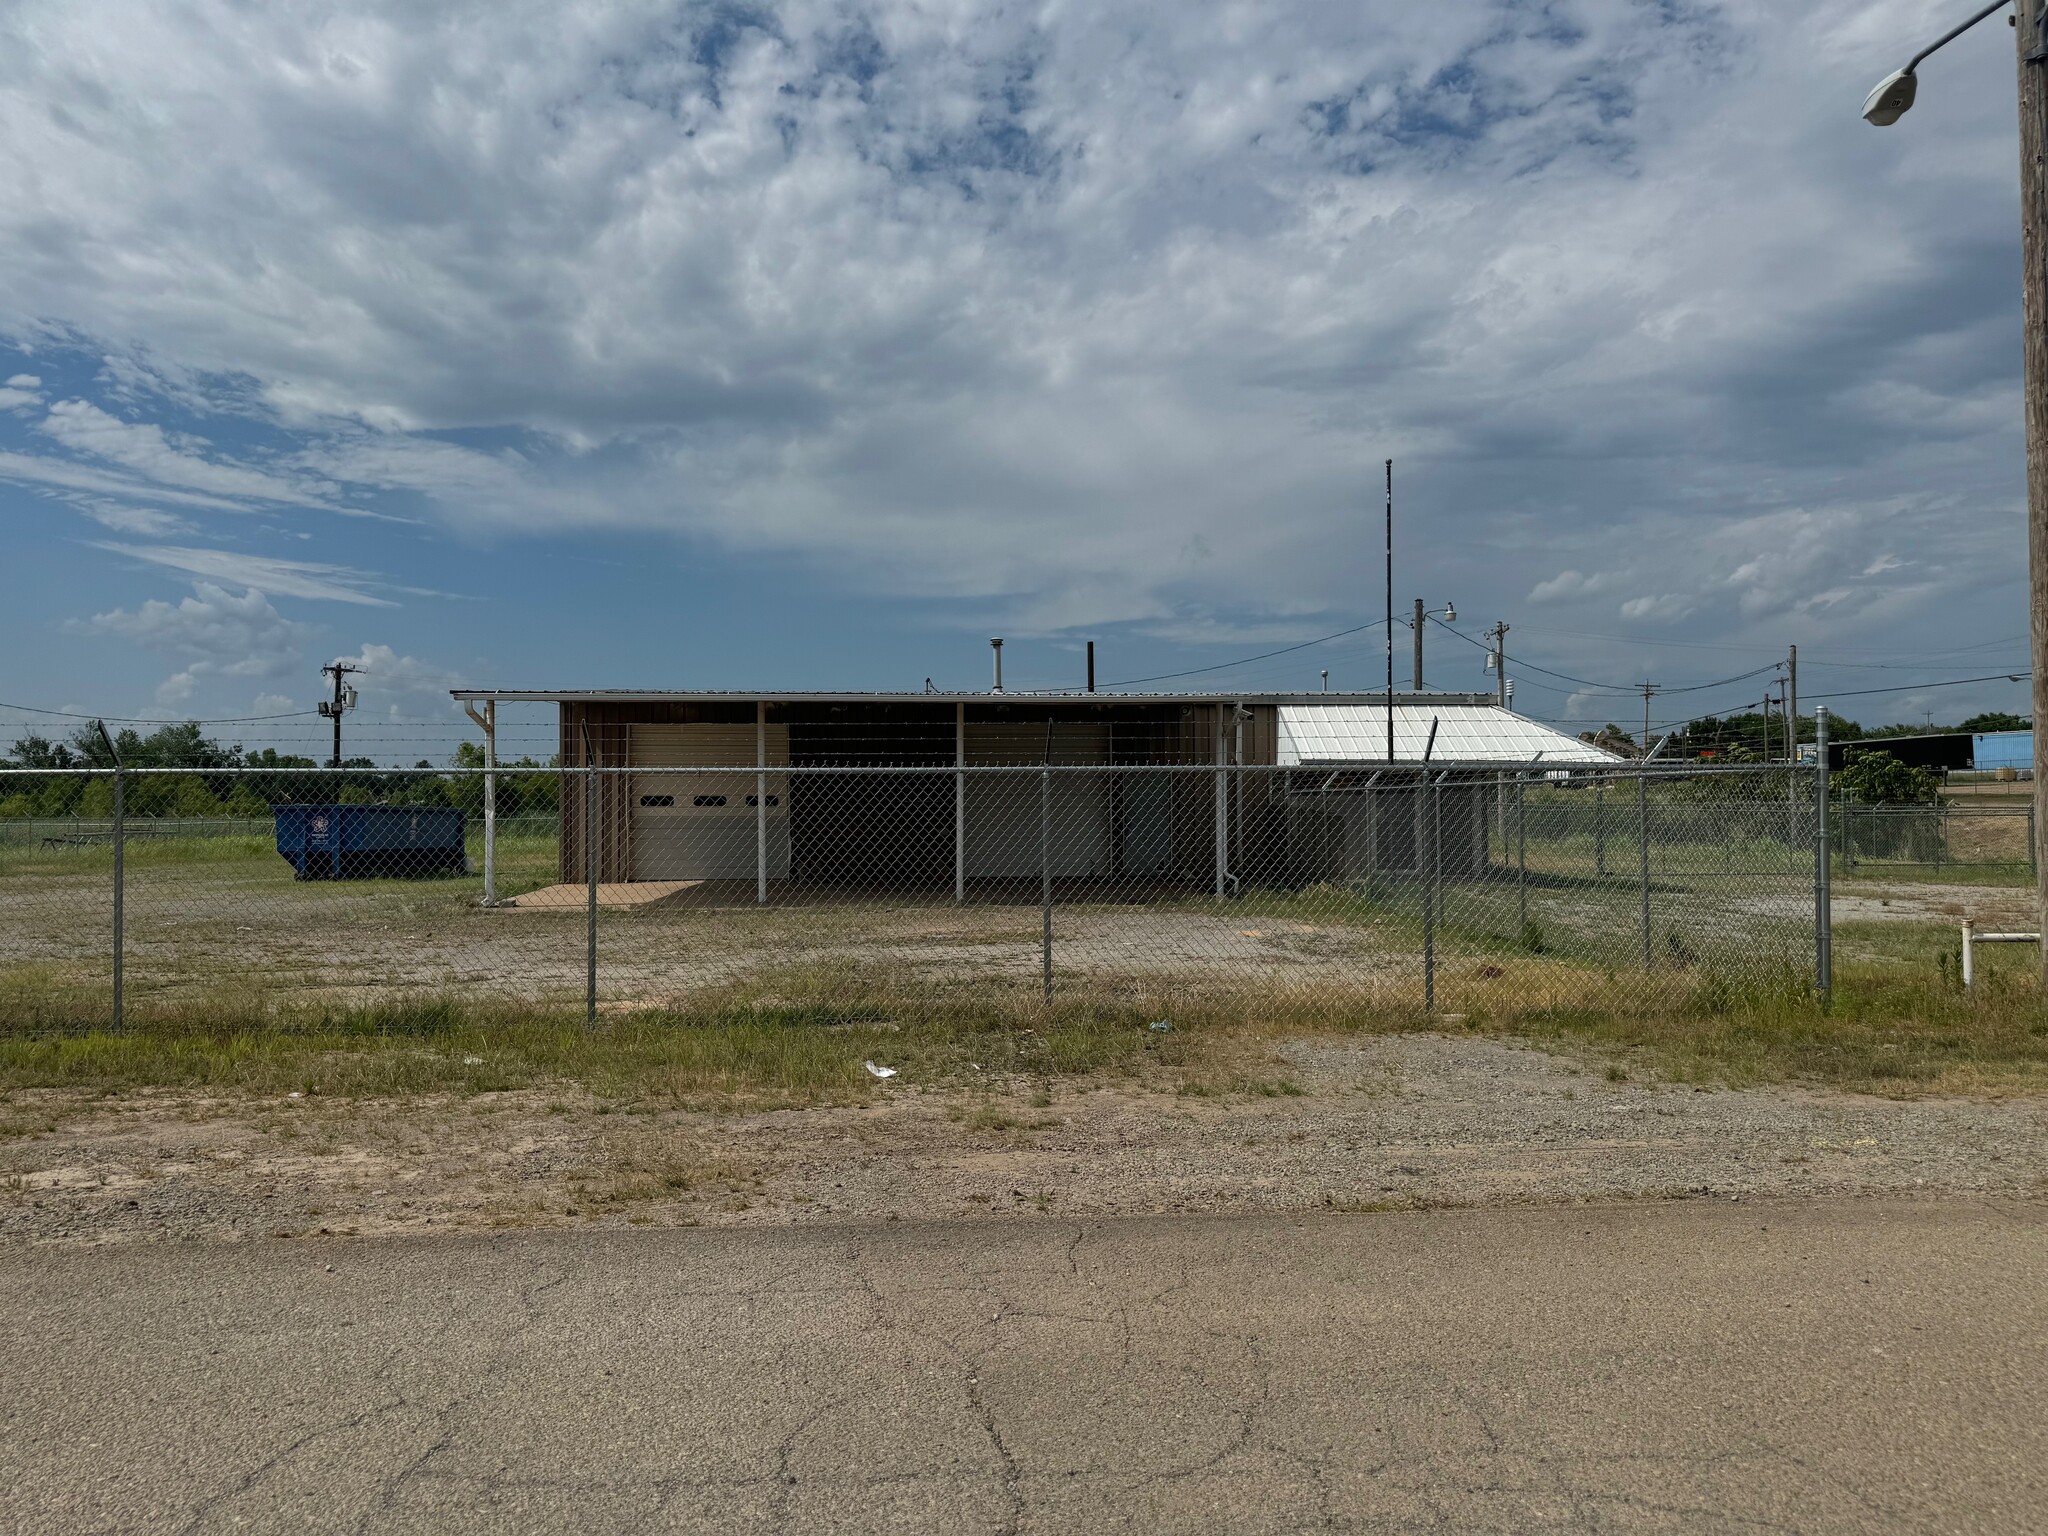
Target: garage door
<point>1003,809</point>
<point>701,826</point>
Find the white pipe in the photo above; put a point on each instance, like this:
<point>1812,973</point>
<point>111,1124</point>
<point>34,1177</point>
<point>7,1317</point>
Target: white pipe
<point>1971,939</point>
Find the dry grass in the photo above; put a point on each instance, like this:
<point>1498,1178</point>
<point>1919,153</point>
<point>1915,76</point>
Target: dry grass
<point>1900,1025</point>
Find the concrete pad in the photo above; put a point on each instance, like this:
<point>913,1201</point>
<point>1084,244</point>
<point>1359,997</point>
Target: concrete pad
<point>624,893</point>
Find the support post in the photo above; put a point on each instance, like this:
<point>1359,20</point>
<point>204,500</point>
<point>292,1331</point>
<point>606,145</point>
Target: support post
<point>760,802</point>
<point>1823,866</point>
<point>1237,715</point>
<point>1429,895</point>
<point>1969,973</point>
<point>1521,858</point>
<point>487,722</point>
<point>1600,825</point>
<point>120,883</point>
<point>1222,802</point>
<point>590,836</point>
<point>1643,838</point>
<point>1418,645</point>
<point>1045,877</point>
<point>960,802</point>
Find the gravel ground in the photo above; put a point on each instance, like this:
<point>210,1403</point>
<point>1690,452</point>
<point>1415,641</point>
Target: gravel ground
<point>1393,1121</point>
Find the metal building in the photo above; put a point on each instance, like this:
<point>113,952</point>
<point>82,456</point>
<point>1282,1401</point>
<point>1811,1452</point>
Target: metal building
<point>902,790</point>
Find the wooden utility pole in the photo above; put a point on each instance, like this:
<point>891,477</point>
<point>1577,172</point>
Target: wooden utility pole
<point>1648,689</point>
<point>343,701</point>
<point>1500,664</point>
<point>1792,701</point>
<point>2032,33</point>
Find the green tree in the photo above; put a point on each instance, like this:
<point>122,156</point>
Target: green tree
<point>245,804</point>
<point>96,800</point>
<point>1995,720</point>
<point>16,807</point>
<point>1878,778</point>
<point>191,800</point>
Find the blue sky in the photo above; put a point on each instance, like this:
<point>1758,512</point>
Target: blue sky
<point>707,345</point>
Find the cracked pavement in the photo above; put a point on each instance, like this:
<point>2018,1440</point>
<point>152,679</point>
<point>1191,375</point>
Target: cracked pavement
<point>1727,1365</point>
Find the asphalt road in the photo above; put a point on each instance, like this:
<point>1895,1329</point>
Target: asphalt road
<point>1700,1366</point>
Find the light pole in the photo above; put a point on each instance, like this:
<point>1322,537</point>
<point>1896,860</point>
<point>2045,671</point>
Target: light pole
<point>1893,96</point>
<point>1421,616</point>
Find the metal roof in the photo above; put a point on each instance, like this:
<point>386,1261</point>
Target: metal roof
<point>948,696</point>
<point>1355,731</point>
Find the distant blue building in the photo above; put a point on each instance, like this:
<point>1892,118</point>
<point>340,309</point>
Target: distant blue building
<point>2003,749</point>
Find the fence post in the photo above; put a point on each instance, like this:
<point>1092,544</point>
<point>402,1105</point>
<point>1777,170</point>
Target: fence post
<point>1823,866</point>
<point>491,804</point>
<point>960,802</point>
<point>590,835</point>
<point>120,882</point>
<point>1222,802</point>
<point>1521,858</point>
<point>1643,840</point>
<point>1045,877</point>
<point>760,803</point>
<point>1429,894</point>
<point>1600,826</point>
<point>2033,857</point>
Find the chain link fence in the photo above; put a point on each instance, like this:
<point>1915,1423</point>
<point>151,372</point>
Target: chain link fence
<point>1959,839</point>
<point>862,892</point>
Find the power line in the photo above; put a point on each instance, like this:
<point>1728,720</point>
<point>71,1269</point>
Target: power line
<point>1243,661</point>
<point>1619,689</point>
<point>1953,682</point>
<point>65,714</point>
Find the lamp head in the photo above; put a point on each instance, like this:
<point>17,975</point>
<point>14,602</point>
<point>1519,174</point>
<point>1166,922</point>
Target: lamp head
<point>1888,103</point>
<point>1450,613</point>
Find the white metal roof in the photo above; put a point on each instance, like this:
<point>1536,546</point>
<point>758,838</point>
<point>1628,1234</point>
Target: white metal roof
<point>1466,733</point>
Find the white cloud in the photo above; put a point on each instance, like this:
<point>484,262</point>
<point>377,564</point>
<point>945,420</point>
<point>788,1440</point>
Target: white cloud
<point>1569,584</point>
<point>62,477</point>
<point>1664,605</point>
<point>400,687</point>
<point>144,448</point>
<point>24,381</point>
<point>143,522</point>
<point>1077,313</point>
<point>216,633</point>
<point>285,578</point>
<point>243,636</point>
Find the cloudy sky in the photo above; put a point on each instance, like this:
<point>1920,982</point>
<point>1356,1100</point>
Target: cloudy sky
<point>646,343</point>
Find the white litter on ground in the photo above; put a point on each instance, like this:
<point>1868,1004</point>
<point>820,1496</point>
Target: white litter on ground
<point>875,1071</point>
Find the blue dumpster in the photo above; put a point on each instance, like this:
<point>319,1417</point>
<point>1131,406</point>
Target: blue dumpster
<point>354,842</point>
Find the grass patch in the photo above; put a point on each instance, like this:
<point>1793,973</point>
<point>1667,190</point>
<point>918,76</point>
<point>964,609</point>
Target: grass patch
<point>1900,1025</point>
<point>1890,1031</point>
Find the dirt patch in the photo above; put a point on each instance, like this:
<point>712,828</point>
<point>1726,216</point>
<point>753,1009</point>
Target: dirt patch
<point>1377,1121</point>
<point>1927,902</point>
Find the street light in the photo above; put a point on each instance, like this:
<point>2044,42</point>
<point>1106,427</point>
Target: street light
<point>1894,94</point>
<point>1883,107</point>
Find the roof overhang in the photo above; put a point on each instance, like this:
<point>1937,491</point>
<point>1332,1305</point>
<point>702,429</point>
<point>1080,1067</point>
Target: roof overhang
<point>734,696</point>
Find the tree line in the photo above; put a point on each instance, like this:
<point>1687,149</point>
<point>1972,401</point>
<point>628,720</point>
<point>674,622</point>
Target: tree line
<point>214,787</point>
<point>1742,738</point>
